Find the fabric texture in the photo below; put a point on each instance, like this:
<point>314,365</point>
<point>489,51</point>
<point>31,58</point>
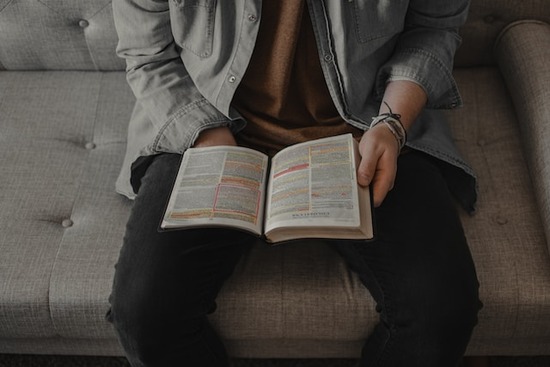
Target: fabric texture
<point>506,234</point>
<point>60,219</point>
<point>523,51</point>
<point>58,35</point>
<point>486,19</point>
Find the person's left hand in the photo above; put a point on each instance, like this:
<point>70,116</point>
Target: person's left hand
<point>379,152</point>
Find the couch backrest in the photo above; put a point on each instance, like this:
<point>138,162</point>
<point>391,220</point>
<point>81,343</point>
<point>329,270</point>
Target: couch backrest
<point>80,34</point>
<point>58,35</point>
<point>486,19</point>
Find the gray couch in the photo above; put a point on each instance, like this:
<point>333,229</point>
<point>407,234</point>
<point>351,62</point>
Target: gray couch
<point>64,108</point>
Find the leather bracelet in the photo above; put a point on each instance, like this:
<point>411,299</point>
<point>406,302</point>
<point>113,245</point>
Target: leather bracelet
<point>396,129</point>
<point>393,123</point>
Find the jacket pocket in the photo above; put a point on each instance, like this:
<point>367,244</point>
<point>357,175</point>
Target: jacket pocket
<point>378,19</point>
<point>193,25</point>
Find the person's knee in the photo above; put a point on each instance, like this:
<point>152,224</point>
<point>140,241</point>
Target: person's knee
<point>446,318</point>
<point>456,314</point>
<point>146,326</point>
<point>435,310</point>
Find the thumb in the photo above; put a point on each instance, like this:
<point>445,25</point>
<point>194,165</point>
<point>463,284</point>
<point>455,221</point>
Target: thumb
<point>367,169</point>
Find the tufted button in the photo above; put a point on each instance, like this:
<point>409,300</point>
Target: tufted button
<point>66,223</point>
<point>90,145</point>
<point>83,23</point>
<point>489,19</point>
<point>501,220</point>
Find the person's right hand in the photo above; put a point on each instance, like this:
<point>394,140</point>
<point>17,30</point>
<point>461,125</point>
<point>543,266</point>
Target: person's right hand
<point>216,136</point>
<point>379,151</point>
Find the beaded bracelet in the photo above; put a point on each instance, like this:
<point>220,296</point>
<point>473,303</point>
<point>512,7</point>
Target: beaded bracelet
<point>393,123</point>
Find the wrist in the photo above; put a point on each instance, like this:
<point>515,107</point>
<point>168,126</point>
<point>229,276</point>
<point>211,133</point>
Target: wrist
<point>215,136</point>
<point>392,121</point>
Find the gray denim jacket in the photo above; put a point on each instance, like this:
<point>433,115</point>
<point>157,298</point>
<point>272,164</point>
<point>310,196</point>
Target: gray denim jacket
<point>185,59</point>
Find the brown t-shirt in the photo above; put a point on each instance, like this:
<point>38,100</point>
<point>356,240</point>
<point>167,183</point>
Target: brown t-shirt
<point>283,95</point>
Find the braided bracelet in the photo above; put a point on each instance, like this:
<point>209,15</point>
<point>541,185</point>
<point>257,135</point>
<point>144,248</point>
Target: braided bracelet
<point>393,122</point>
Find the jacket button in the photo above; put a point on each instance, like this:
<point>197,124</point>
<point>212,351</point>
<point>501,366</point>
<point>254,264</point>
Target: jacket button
<point>252,17</point>
<point>232,79</point>
<point>83,23</point>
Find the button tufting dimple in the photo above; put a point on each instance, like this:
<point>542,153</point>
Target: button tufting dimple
<point>66,223</point>
<point>501,220</point>
<point>90,145</point>
<point>489,19</point>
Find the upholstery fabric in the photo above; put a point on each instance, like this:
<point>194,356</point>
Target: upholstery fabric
<point>58,34</point>
<point>486,19</point>
<point>506,235</point>
<point>523,51</point>
<point>59,156</point>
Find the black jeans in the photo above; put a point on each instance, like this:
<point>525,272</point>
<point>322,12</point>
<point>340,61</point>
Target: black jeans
<point>419,271</point>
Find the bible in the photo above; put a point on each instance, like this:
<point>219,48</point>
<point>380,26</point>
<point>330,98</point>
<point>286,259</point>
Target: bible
<point>307,190</point>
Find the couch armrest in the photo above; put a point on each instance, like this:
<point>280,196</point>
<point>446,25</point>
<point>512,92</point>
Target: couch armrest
<point>522,51</point>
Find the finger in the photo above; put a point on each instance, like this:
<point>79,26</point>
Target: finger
<point>367,167</point>
<point>384,178</point>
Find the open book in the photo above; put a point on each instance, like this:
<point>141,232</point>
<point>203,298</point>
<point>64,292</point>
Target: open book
<point>308,190</point>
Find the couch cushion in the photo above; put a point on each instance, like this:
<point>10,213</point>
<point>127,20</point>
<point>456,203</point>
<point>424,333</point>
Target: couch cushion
<point>61,225</point>
<point>506,234</point>
<point>62,139</point>
<point>58,35</point>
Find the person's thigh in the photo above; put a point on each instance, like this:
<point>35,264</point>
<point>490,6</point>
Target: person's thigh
<point>419,270</point>
<point>166,282</point>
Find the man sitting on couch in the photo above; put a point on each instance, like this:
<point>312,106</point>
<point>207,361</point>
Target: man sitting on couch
<point>269,74</point>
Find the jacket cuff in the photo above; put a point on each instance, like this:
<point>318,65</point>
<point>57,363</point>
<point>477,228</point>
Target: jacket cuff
<point>427,70</point>
<point>180,132</point>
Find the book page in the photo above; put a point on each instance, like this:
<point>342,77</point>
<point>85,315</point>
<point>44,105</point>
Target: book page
<point>219,186</point>
<point>314,184</point>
